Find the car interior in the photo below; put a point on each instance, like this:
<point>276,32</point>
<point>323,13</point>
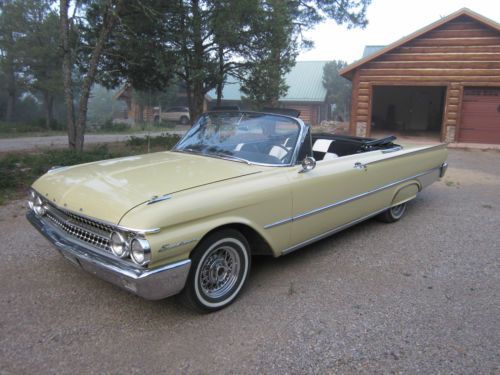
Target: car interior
<point>324,146</point>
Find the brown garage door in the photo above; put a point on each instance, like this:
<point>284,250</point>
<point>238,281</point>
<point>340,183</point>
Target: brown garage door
<point>480,120</point>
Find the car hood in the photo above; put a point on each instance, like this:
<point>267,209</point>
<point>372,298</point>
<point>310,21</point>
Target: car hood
<point>108,189</point>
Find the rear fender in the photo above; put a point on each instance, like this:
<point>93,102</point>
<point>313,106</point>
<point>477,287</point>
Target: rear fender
<point>406,193</point>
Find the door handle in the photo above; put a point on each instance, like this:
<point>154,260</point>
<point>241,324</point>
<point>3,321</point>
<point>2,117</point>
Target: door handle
<point>359,165</point>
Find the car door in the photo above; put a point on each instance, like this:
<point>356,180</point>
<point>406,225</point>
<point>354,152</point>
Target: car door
<point>332,195</point>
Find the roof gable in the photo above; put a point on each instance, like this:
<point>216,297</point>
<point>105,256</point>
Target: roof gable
<point>348,71</point>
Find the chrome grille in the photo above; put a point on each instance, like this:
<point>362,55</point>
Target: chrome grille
<point>93,232</point>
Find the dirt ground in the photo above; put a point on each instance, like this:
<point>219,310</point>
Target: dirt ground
<point>418,296</point>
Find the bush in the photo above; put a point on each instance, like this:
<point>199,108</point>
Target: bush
<point>166,124</point>
<point>111,126</point>
<point>165,140</point>
<point>18,171</point>
<point>13,128</point>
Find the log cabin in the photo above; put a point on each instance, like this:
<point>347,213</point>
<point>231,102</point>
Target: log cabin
<point>442,81</point>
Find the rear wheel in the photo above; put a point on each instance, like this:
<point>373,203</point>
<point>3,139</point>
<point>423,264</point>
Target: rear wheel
<point>220,268</point>
<point>393,214</point>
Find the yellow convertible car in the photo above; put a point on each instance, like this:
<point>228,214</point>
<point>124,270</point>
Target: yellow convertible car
<point>237,184</point>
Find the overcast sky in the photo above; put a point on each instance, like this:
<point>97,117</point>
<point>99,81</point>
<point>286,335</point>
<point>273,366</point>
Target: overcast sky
<point>389,20</point>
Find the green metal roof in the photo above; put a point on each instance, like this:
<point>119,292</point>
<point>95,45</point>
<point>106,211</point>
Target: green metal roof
<point>370,50</point>
<point>305,82</point>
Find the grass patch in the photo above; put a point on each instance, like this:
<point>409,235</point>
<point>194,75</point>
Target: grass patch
<point>19,170</point>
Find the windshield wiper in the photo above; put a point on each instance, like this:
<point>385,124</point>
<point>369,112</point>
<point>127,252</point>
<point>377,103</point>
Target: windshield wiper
<point>188,150</point>
<point>229,157</point>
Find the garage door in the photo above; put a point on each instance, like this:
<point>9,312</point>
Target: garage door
<point>480,120</point>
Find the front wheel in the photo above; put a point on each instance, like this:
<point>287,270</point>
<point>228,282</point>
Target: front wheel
<point>184,120</point>
<point>220,267</point>
<point>393,214</point>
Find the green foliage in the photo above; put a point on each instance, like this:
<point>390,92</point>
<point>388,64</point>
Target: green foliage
<point>338,89</point>
<point>30,58</point>
<point>110,126</point>
<point>15,127</point>
<point>271,54</point>
<point>18,171</point>
<point>278,28</point>
<point>141,39</point>
<point>165,141</point>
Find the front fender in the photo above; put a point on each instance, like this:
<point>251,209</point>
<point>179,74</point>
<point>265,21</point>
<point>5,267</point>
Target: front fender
<point>188,216</point>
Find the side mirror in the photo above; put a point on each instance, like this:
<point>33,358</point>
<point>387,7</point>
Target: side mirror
<point>308,164</point>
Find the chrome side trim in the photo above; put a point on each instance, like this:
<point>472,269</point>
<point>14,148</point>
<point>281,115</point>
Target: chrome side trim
<point>137,230</point>
<point>347,200</point>
<point>410,153</point>
<point>330,232</point>
<point>392,149</point>
<point>280,222</point>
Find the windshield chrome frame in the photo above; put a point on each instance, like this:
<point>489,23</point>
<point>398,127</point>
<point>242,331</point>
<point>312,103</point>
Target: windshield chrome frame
<point>293,160</point>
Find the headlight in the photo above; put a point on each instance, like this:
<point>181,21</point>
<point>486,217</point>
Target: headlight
<point>140,251</point>
<point>31,199</point>
<point>119,245</point>
<point>38,206</point>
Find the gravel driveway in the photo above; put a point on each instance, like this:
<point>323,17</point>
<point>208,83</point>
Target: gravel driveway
<point>418,296</point>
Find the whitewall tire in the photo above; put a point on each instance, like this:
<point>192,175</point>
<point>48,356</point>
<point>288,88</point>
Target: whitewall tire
<point>220,267</point>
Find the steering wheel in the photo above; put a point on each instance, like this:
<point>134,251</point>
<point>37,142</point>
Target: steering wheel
<point>287,151</point>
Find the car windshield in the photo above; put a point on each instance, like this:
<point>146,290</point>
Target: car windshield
<point>245,137</point>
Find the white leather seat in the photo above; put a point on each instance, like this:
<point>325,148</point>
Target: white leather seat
<point>322,145</point>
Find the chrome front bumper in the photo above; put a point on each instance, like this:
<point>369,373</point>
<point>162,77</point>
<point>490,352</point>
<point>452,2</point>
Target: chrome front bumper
<point>151,284</point>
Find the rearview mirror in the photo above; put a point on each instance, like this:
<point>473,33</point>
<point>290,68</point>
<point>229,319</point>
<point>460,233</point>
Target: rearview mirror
<point>308,164</point>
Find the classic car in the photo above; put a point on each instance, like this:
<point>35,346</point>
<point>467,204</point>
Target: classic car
<point>187,221</point>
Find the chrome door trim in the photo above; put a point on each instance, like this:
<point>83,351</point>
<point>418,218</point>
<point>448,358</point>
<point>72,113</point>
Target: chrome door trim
<point>330,232</point>
<point>410,153</point>
<point>347,200</point>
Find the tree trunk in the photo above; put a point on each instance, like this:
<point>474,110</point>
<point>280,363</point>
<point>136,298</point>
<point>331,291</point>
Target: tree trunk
<point>198,91</point>
<point>220,78</point>
<point>11,106</point>
<point>76,129</point>
<point>49,109</point>
<point>11,83</point>
<point>108,22</point>
<point>66,68</point>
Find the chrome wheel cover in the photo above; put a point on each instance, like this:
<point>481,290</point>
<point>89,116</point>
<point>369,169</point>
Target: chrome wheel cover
<point>219,271</point>
<point>398,211</point>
